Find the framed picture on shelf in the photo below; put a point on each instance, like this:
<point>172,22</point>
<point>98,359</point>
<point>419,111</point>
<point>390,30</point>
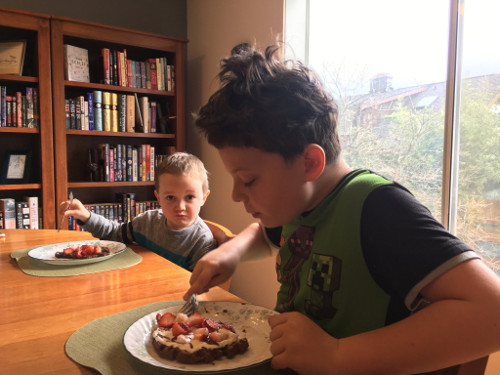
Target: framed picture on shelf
<point>12,57</point>
<point>16,167</point>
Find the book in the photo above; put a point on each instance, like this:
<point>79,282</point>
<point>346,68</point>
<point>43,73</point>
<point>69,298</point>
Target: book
<point>152,116</point>
<point>106,111</point>
<point>90,100</point>
<point>3,106</point>
<point>22,215</point>
<point>123,69</point>
<point>122,112</point>
<point>135,164</point>
<point>130,81</point>
<point>67,114</point>
<point>36,113</point>
<point>78,113</point>
<point>76,63</point>
<point>106,69</point>
<point>33,211</point>
<point>114,112</point>
<point>97,94</point>
<point>144,103</point>
<point>130,113</point>
<point>115,79</point>
<point>72,114</point>
<point>139,121</point>
<point>152,164</point>
<point>152,73</point>
<point>29,107</point>
<point>8,209</point>
<point>129,158</point>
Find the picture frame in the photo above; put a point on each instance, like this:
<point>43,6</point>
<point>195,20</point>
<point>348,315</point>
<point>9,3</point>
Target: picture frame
<point>16,167</point>
<point>12,57</point>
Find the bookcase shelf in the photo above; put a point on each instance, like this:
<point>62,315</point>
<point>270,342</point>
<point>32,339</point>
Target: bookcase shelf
<point>73,147</point>
<point>34,30</point>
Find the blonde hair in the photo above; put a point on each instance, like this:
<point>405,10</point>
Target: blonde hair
<point>182,163</point>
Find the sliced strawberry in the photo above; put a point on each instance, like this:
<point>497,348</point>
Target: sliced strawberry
<point>166,320</point>
<point>195,320</point>
<point>218,336</point>
<point>79,253</point>
<point>69,250</point>
<point>97,249</point>
<point>211,324</point>
<point>180,328</point>
<point>200,334</point>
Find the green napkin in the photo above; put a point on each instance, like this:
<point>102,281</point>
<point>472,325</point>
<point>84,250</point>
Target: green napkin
<point>99,345</point>
<point>34,267</point>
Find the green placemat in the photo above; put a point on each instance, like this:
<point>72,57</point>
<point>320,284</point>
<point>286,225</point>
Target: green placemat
<point>34,267</point>
<point>99,345</point>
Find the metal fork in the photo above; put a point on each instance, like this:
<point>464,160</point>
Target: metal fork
<point>191,306</point>
<point>70,203</point>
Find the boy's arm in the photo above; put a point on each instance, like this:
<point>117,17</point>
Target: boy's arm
<point>219,264</point>
<point>461,324</point>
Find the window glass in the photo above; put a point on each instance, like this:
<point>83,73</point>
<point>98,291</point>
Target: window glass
<point>478,208</point>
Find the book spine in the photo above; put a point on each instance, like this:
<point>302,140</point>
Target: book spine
<point>115,68</point>
<point>130,113</point>
<point>124,162</point>
<point>106,111</point>
<point>86,116</point>
<point>8,100</point>
<point>159,74</point>
<point>114,112</point>
<point>8,207</point>
<point>67,114</point>
<point>72,114</point>
<point>98,110</point>
<point>106,154</point>
<point>3,106</point>
<point>78,114</point>
<point>14,111</point>
<point>29,108</point>
<point>145,113</point>
<point>152,73</point>
<point>122,112</point>
<point>106,66</point>
<point>130,81</point>
<point>33,211</point>
<point>148,162</point>
<point>152,116</point>
<point>129,163</point>
<point>118,164</point>
<point>111,157</point>
<point>90,100</point>
<point>152,163</point>
<point>81,99</point>
<point>36,111</point>
<point>135,158</point>
<point>143,163</point>
<point>123,70</point>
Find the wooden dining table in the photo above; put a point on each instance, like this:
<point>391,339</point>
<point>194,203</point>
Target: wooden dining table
<point>39,314</point>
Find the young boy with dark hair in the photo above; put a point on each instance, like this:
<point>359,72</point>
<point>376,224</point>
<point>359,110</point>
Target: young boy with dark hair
<point>175,231</point>
<point>371,283</point>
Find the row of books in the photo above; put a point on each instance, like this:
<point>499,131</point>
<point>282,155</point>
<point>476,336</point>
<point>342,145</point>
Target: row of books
<point>117,69</point>
<point>114,112</point>
<point>153,73</point>
<point>123,210</point>
<point>24,214</point>
<point>18,109</point>
<point>120,162</point>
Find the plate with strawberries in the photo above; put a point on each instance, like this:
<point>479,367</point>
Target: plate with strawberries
<point>77,252</point>
<point>219,337</point>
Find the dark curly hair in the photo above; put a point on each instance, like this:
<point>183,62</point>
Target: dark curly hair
<point>274,105</point>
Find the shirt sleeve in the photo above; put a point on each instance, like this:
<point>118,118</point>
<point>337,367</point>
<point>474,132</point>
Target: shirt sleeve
<point>405,247</point>
<point>105,229</point>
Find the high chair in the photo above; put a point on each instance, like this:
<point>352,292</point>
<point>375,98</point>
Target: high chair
<point>221,235</point>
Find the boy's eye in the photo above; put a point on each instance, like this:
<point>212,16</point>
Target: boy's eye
<point>249,183</point>
<point>169,197</point>
<point>190,197</point>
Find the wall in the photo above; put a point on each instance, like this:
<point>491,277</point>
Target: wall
<point>214,27</point>
<point>166,17</point>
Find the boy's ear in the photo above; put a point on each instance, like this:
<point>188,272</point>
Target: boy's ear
<point>314,161</point>
<point>205,196</point>
<point>156,195</point>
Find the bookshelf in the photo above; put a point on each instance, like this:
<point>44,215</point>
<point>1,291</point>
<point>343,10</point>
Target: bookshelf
<point>72,145</point>
<point>34,30</point>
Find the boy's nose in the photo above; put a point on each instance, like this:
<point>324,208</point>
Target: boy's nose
<point>181,206</point>
<point>236,194</point>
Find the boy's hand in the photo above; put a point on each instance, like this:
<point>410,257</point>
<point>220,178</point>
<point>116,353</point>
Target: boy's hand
<point>212,269</point>
<point>77,210</point>
<point>301,345</point>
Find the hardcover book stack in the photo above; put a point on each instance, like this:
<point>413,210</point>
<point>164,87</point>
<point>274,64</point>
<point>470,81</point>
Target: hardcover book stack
<point>25,214</point>
<point>19,109</point>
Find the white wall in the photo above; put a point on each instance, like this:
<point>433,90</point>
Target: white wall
<point>213,28</point>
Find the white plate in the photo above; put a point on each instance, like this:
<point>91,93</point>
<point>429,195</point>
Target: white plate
<point>248,320</point>
<point>47,254</point>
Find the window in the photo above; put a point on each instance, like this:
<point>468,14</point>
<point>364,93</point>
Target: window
<point>418,89</point>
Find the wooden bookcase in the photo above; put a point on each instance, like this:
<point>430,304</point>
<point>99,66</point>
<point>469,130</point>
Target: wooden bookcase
<point>71,146</point>
<point>34,29</point>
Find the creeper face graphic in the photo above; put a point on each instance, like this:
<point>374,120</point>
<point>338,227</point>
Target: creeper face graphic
<point>300,245</point>
<point>323,279</point>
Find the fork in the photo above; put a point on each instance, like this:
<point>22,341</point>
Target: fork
<point>70,203</point>
<point>191,306</point>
